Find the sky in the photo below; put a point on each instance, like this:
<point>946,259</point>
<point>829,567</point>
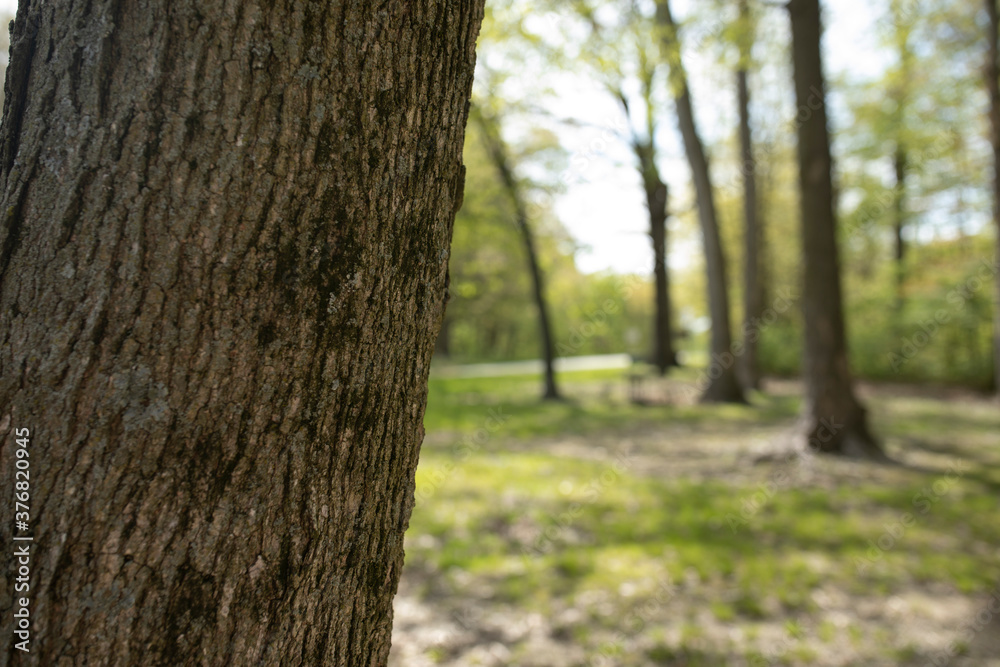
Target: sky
<point>602,206</point>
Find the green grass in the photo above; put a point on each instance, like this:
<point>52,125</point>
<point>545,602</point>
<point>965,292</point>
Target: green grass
<point>463,404</point>
<point>545,531</point>
<point>657,527</point>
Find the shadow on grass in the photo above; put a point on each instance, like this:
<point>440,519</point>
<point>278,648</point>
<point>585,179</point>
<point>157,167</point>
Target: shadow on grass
<point>523,525</point>
<point>554,545</point>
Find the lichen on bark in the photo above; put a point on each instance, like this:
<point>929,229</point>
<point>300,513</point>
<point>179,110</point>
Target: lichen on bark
<point>224,261</point>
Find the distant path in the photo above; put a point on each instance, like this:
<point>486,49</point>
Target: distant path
<point>532,366</point>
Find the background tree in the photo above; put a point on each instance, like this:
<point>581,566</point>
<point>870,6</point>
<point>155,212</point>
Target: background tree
<point>753,297</point>
<point>835,419</point>
<point>222,268</point>
<point>992,74</point>
<point>900,95</point>
<point>489,287</point>
<point>724,385</point>
<point>941,196</point>
<point>487,317</point>
<point>618,52</point>
<point>490,129</point>
<point>657,195</point>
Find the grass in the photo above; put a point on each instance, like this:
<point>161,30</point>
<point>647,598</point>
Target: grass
<point>462,405</point>
<point>573,510</point>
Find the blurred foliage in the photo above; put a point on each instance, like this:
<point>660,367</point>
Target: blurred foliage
<point>927,100</point>
<point>490,315</point>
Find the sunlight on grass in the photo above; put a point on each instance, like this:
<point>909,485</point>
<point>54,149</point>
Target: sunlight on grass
<point>542,531</point>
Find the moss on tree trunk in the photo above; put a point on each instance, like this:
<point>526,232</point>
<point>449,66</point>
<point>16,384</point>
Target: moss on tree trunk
<point>223,262</point>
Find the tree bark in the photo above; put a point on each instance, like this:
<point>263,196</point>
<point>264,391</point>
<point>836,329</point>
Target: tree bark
<point>222,268</point>
<point>992,73</point>
<point>753,303</point>
<point>835,419</point>
<point>497,150</point>
<point>723,385</point>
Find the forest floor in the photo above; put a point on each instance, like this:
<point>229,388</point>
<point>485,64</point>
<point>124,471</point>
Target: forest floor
<point>596,531</point>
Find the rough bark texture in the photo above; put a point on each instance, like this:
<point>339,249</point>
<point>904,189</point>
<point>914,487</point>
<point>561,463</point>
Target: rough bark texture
<point>753,302</point>
<point>992,73</point>
<point>497,150</point>
<point>224,245</point>
<point>835,419</point>
<point>723,384</point>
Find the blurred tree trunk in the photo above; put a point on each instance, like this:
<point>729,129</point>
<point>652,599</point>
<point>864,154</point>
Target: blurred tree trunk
<point>835,419</point>
<point>723,384</point>
<point>657,203</point>
<point>753,303</point>
<point>498,153</point>
<point>442,347</point>
<point>644,147</point>
<point>992,73</point>
<point>222,268</point>
<point>899,222</point>
<point>900,94</point>
<point>491,339</point>
<point>765,182</point>
<point>657,199</point>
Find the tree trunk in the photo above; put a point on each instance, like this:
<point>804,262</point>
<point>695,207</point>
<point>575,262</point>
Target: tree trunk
<point>664,354</point>
<point>992,73</point>
<point>657,199</point>
<point>835,419</point>
<point>899,222</point>
<point>498,154</point>
<point>899,93</point>
<point>753,304</point>
<point>657,195</point>
<point>723,385</point>
<point>442,347</point>
<point>765,182</point>
<point>224,248</point>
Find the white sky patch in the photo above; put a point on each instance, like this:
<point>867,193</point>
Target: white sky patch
<point>603,206</point>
